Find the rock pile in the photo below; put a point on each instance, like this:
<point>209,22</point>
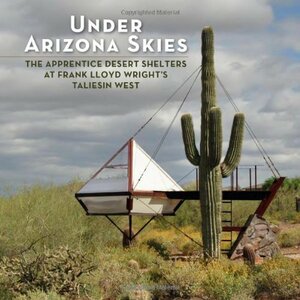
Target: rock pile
<point>261,235</point>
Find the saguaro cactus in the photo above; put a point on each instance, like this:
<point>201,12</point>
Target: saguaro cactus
<point>209,159</point>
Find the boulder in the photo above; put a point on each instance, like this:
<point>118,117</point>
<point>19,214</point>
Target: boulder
<point>261,235</point>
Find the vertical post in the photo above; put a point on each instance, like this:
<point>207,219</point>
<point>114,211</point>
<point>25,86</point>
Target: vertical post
<point>232,180</point>
<point>297,204</point>
<point>129,204</point>
<point>130,227</point>
<point>255,176</point>
<point>197,179</point>
<point>250,178</point>
<point>237,178</point>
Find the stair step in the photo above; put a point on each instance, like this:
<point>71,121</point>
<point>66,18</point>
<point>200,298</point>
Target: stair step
<point>226,211</point>
<point>226,240</point>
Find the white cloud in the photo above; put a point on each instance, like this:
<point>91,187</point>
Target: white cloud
<point>51,132</point>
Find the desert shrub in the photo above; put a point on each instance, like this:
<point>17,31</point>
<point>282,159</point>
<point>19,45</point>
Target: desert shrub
<point>226,280</point>
<point>159,247</point>
<point>144,256</point>
<point>288,184</point>
<point>242,210</point>
<point>292,183</point>
<point>56,270</point>
<point>38,295</point>
<point>190,248</point>
<point>172,240</point>
<point>5,293</point>
<point>52,216</point>
<point>216,280</point>
<point>279,277</point>
<point>267,183</point>
<point>289,238</point>
<point>184,280</point>
<point>139,294</point>
<point>113,279</point>
<point>188,214</point>
<point>118,279</point>
<point>282,207</point>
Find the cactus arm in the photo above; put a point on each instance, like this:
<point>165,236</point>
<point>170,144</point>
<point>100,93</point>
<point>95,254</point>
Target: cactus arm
<point>215,136</point>
<point>188,135</point>
<point>233,154</point>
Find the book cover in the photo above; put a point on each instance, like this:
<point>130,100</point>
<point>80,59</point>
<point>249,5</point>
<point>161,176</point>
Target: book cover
<point>99,87</point>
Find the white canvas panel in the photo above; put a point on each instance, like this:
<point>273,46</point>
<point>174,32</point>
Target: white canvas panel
<point>147,206</point>
<point>117,167</point>
<point>106,185</point>
<point>154,178</point>
<point>169,205</point>
<point>152,206</point>
<point>113,176</point>
<point>105,205</point>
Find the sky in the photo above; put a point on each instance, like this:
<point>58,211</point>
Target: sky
<point>52,133</point>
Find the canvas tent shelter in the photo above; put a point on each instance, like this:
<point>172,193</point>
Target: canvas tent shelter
<point>130,183</point>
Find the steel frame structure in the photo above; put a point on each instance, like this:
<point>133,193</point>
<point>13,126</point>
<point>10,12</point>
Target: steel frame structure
<point>266,197</point>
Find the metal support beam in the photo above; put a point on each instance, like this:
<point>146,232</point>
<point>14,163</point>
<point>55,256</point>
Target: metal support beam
<point>227,195</point>
<point>130,227</point>
<point>232,228</point>
<point>267,201</point>
<point>237,178</point>
<point>197,179</point>
<point>130,237</point>
<point>255,176</point>
<point>250,179</point>
<point>115,224</point>
<point>143,226</point>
